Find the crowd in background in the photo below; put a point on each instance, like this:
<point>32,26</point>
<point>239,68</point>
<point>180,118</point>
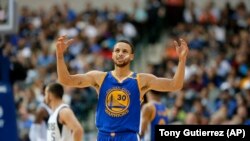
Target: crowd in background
<point>217,80</point>
<point>217,85</point>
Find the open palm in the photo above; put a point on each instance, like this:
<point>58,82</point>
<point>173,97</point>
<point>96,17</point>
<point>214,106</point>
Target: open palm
<point>62,44</point>
<point>182,49</point>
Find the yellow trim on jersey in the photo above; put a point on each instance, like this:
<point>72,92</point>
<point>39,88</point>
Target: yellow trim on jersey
<point>102,82</point>
<point>139,87</point>
<point>120,81</point>
<point>103,78</point>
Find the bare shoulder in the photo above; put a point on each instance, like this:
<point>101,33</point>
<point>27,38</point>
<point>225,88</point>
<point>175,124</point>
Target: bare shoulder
<point>148,106</point>
<point>97,75</point>
<point>65,115</point>
<point>65,111</point>
<point>146,76</point>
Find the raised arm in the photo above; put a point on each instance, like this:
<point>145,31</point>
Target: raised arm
<point>68,118</point>
<point>151,82</point>
<point>92,78</point>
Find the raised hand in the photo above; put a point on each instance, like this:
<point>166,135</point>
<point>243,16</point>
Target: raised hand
<point>182,50</point>
<point>62,44</point>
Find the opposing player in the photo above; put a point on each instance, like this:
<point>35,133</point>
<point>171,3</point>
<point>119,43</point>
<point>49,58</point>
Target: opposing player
<point>120,91</point>
<point>38,130</point>
<point>153,113</point>
<point>62,123</point>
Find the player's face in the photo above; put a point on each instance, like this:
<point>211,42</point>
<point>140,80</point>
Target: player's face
<point>122,54</point>
<point>47,97</point>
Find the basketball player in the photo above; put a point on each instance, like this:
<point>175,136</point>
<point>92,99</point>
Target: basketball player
<point>120,91</point>
<point>153,113</point>
<point>38,130</point>
<point>62,123</point>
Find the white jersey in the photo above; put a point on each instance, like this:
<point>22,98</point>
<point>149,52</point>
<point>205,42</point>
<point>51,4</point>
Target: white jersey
<point>53,131</point>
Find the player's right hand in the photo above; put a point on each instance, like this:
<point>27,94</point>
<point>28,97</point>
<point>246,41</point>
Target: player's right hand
<point>62,44</point>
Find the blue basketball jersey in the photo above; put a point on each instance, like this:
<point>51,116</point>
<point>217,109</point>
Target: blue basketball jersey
<point>159,119</point>
<point>118,108</point>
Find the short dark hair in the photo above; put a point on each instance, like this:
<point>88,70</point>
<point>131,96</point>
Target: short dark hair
<point>56,89</point>
<point>129,43</point>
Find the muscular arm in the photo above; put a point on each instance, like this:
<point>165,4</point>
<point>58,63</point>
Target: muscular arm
<point>164,84</point>
<point>77,80</point>
<point>91,78</point>
<point>151,82</point>
<point>67,117</point>
<point>147,115</point>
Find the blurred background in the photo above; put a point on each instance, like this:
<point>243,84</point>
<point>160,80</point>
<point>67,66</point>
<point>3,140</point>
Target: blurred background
<point>217,80</point>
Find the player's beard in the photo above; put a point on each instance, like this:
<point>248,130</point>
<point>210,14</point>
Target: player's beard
<point>121,65</point>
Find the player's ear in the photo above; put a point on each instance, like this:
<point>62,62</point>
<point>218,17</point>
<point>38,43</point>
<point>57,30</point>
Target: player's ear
<point>50,96</point>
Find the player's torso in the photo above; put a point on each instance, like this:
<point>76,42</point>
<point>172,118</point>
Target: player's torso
<point>57,131</point>
<point>118,107</point>
<point>160,114</point>
<point>160,118</point>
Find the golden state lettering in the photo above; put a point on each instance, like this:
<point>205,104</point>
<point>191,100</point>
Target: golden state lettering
<point>117,102</point>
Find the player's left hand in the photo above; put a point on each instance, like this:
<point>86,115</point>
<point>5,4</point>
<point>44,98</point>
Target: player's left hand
<point>182,50</point>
